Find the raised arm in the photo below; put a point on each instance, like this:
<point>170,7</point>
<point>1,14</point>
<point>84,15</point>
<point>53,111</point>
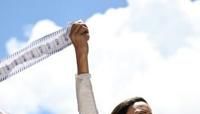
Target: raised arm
<point>85,97</point>
<point>79,36</point>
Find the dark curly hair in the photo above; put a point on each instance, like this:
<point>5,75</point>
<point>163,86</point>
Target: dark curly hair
<point>122,108</point>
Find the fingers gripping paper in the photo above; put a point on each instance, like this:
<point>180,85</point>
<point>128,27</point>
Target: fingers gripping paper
<point>35,52</point>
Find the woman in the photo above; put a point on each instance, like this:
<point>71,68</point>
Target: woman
<point>86,102</point>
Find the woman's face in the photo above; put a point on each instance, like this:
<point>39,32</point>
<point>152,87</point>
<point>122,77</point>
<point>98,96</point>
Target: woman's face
<point>139,108</point>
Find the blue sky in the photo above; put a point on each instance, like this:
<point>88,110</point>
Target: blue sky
<point>16,15</point>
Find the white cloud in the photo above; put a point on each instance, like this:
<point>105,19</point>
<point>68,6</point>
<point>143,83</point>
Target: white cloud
<point>43,28</point>
<point>149,48</point>
<point>13,45</point>
<point>46,85</point>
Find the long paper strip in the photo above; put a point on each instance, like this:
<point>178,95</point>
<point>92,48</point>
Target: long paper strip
<point>35,52</point>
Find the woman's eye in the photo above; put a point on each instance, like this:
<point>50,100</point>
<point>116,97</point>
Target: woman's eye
<point>142,112</point>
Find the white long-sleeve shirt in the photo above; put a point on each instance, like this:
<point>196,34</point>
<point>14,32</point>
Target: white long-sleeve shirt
<point>85,96</point>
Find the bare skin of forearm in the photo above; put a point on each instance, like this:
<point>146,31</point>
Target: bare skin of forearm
<point>82,62</point>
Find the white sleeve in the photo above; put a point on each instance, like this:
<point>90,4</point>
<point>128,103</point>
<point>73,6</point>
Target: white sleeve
<point>85,96</point>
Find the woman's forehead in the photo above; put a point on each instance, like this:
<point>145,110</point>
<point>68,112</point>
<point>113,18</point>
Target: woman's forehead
<point>141,105</point>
